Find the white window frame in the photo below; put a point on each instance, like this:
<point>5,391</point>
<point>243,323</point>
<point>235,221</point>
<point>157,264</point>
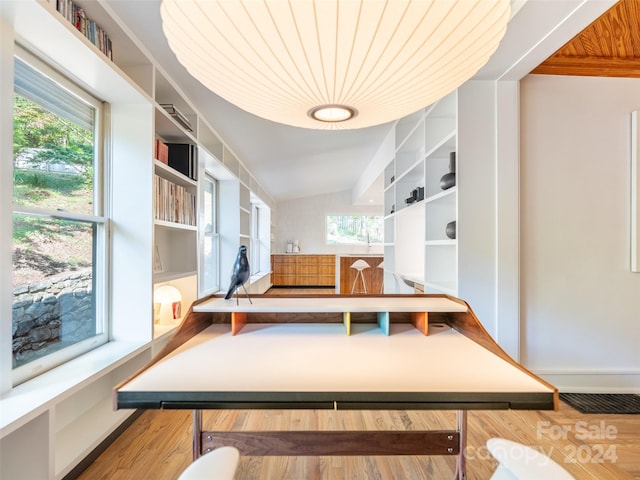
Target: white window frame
<point>254,254</point>
<point>100,266</point>
<point>368,244</point>
<point>215,274</point>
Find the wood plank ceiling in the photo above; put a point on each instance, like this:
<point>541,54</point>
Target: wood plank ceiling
<point>609,47</point>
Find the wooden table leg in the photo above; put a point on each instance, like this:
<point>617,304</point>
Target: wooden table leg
<point>197,434</point>
<point>461,465</point>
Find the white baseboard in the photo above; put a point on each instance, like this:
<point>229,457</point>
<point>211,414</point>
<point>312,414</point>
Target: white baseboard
<point>593,381</point>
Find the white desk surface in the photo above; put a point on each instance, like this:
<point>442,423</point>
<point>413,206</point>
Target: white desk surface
<point>331,304</point>
<point>321,358</point>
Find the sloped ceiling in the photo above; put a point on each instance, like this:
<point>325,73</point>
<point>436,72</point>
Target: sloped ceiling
<point>608,47</point>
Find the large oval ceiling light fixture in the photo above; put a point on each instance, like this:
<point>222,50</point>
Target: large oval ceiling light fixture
<point>287,60</point>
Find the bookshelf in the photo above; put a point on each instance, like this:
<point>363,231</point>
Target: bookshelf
<point>175,199</point>
<point>50,424</point>
<point>417,210</point>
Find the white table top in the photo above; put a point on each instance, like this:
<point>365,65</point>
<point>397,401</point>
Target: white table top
<point>304,362</point>
<point>332,304</point>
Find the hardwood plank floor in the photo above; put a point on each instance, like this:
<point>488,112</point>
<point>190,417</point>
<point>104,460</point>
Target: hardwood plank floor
<point>158,444</point>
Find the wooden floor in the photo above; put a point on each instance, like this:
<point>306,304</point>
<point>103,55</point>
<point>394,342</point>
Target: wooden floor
<point>158,444</point>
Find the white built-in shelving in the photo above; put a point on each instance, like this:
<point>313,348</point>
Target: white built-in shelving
<point>49,424</point>
<point>175,242</point>
<point>417,210</point>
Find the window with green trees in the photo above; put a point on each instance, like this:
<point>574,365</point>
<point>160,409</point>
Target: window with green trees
<point>350,229</point>
<point>59,227</point>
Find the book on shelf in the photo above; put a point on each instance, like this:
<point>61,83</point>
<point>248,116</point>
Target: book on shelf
<point>183,158</point>
<point>87,27</point>
<point>162,152</point>
<point>177,115</point>
<point>173,203</point>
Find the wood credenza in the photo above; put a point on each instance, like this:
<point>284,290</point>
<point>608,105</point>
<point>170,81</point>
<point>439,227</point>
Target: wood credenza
<point>297,270</point>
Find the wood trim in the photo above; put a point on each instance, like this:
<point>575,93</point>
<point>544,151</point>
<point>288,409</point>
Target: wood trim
<point>608,47</point>
<point>293,443</point>
<point>468,324</point>
<point>192,324</point>
<point>420,320</point>
<point>589,67</point>
<point>238,320</point>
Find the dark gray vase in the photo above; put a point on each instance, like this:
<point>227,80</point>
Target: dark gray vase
<point>450,230</point>
<point>448,180</point>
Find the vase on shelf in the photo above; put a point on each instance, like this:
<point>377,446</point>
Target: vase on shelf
<point>448,180</point>
<point>450,230</point>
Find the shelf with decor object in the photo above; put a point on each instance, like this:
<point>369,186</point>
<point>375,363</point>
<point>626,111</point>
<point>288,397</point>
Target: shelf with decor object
<point>172,297</point>
<point>175,205</point>
<point>175,224</point>
<point>420,198</point>
<point>53,421</point>
<point>52,424</point>
<point>409,188</point>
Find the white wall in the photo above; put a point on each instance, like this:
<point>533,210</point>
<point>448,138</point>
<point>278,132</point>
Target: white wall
<point>304,219</point>
<point>476,180</point>
<point>580,304</point>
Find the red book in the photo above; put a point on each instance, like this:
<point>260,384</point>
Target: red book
<point>162,152</point>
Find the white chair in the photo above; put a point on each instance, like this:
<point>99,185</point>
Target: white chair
<point>519,462</point>
<point>219,464</point>
<point>359,265</point>
<point>381,267</point>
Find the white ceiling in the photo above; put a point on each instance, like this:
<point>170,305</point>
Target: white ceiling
<point>291,162</point>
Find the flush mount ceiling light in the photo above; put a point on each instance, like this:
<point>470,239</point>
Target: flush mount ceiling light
<point>333,64</point>
<point>332,113</point>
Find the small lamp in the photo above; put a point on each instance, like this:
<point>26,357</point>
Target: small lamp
<point>167,302</point>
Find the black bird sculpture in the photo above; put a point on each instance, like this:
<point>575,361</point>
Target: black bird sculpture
<point>240,275</point>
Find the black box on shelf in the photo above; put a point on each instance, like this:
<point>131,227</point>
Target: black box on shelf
<point>413,196</point>
<point>183,158</point>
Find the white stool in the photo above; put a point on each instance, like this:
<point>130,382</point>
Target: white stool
<point>359,265</point>
<point>219,464</point>
<point>381,267</point>
<point>519,462</point>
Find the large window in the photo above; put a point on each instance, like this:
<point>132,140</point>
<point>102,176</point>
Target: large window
<point>59,228</point>
<point>354,229</point>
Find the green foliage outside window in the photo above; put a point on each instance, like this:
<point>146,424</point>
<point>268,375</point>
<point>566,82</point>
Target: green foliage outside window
<point>354,229</point>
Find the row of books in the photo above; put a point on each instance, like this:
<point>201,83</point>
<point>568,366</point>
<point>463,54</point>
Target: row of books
<point>173,203</point>
<point>182,157</point>
<point>90,29</point>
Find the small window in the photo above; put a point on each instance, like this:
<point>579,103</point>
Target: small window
<point>211,237</point>
<point>254,254</point>
<point>354,229</point>
<point>59,231</point>
<point>260,245</point>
